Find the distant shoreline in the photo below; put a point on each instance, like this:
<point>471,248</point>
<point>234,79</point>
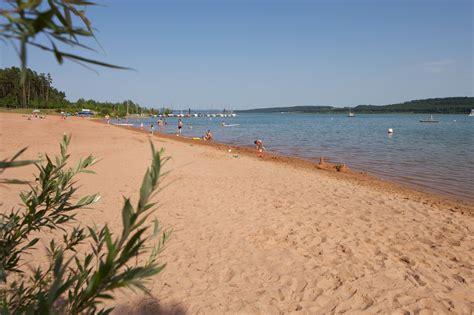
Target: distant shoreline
<point>345,113</point>
<point>446,105</point>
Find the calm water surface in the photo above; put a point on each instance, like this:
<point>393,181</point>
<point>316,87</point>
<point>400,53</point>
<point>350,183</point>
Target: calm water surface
<point>437,157</point>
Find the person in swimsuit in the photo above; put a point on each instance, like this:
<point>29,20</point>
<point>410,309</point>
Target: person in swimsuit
<point>259,147</point>
<point>208,136</point>
<point>180,126</point>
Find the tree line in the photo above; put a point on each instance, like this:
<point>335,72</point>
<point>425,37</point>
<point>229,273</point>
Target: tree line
<point>36,92</point>
<point>446,105</point>
<point>39,92</point>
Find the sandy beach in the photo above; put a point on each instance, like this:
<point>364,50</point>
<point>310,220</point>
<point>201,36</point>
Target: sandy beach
<point>267,236</point>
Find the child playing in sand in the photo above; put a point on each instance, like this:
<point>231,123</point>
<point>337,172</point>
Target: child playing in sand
<point>259,147</point>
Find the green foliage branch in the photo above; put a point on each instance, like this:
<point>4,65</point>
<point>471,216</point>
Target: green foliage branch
<point>71,282</point>
<point>60,21</point>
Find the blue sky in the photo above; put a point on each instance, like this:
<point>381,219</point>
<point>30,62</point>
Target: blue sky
<point>247,54</point>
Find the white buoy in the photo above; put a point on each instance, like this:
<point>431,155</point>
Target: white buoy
<point>390,130</point>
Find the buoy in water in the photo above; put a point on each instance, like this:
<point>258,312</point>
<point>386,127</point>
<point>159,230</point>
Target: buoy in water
<point>390,130</point>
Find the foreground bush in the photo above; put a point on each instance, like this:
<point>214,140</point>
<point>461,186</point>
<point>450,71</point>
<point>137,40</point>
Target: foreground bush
<point>73,282</point>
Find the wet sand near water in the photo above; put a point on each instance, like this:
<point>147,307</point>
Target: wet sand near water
<point>268,236</point>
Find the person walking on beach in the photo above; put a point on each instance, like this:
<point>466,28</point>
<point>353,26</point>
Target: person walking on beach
<point>180,126</point>
<point>107,118</point>
<point>152,129</point>
<point>259,147</point>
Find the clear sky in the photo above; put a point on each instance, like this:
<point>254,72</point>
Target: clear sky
<point>263,53</point>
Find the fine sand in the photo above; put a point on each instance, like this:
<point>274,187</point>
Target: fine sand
<point>267,236</point>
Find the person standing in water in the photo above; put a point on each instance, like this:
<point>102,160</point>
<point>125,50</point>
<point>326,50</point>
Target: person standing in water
<point>152,129</point>
<point>180,126</point>
<point>259,147</point>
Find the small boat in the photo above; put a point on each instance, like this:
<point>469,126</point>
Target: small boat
<point>471,114</point>
<point>351,114</point>
<point>431,120</point>
<point>229,125</point>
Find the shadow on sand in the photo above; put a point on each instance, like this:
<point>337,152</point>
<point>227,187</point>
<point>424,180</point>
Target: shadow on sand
<point>149,306</point>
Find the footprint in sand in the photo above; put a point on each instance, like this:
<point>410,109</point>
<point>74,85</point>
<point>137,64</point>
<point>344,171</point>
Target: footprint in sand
<point>458,278</point>
<point>227,274</point>
<point>312,294</point>
<point>329,283</point>
<point>298,288</point>
<point>407,260</point>
<point>361,302</point>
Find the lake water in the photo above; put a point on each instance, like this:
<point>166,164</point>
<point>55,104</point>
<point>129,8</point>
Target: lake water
<point>436,157</point>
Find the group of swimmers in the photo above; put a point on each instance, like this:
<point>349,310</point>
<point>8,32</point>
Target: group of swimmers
<point>160,122</point>
<point>207,137</point>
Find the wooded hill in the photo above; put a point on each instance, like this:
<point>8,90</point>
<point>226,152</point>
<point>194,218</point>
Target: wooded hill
<point>447,105</point>
<point>40,93</point>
